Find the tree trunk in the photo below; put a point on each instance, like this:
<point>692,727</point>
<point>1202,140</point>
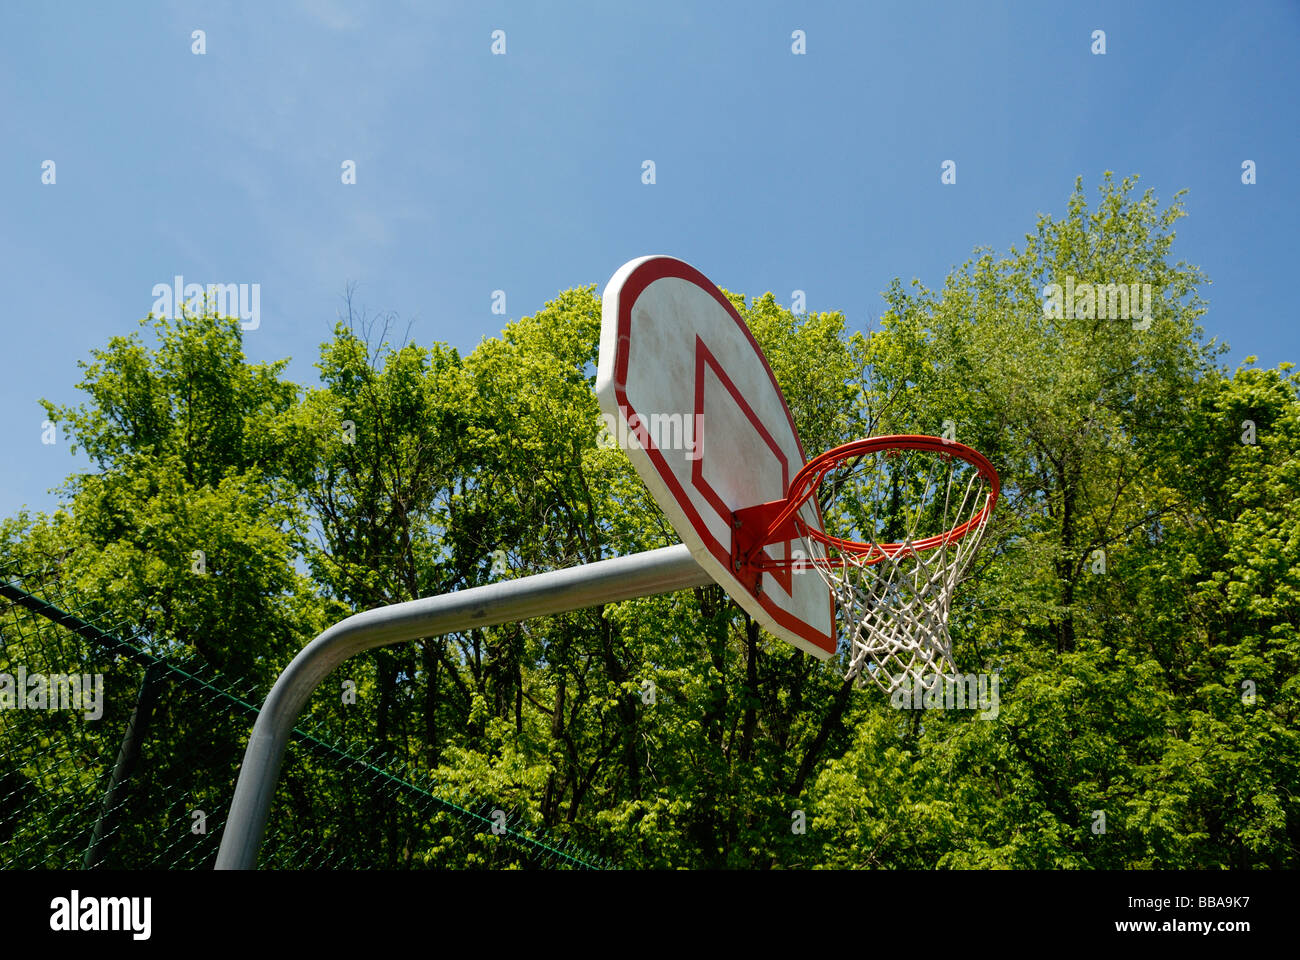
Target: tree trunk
<point>551,798</point>
<point>751,690</point>
<point>430,658</point>
<point>819,742</point>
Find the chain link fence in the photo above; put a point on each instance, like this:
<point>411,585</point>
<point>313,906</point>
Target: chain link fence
<point>118,754</point>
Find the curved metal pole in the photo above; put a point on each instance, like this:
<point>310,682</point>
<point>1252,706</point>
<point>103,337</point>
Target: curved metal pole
<point>621,578</point>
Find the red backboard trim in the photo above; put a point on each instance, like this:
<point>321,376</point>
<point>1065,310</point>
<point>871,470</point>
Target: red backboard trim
<point>659,268</point>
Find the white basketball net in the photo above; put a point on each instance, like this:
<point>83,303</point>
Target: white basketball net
<point>893,600</point>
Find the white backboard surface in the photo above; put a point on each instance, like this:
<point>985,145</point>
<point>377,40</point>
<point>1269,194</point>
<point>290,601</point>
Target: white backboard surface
<point>707,429</point>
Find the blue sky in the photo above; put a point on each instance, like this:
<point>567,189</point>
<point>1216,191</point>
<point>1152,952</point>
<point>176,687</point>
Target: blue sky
<point>522,172</point>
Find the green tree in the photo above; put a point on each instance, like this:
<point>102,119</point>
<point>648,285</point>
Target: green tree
<point>1112,594</point>
<point>187,529</point>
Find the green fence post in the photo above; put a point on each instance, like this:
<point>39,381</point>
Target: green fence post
<point>137,728</point>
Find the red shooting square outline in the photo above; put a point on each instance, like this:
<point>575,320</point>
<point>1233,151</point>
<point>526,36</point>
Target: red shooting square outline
<point>704,359</point>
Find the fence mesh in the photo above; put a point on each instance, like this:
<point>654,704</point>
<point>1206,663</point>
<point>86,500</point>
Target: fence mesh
<point>139,773</point>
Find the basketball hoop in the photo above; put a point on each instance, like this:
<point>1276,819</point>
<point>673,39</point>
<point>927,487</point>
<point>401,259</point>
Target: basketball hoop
<point>907,529</point>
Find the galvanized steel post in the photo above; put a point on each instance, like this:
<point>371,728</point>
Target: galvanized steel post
<point>639,575</point>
